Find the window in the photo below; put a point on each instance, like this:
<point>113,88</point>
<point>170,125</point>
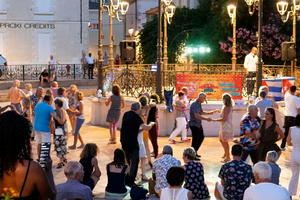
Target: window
<point>43,47</point>
<point>2,6</point>
<point>94,26</point>
<point>43,6</point>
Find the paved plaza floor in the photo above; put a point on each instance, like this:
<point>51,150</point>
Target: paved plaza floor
<point>211,152</point>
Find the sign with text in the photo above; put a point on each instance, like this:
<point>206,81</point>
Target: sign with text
<point>213,85</point>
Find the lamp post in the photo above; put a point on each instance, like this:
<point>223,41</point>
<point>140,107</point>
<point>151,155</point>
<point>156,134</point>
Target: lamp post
<point>232,14</point>
<point>113,10</point>
<point>169,11</point>
<point>253,5</point>
<point>130,31</point>
<point>282,9</point>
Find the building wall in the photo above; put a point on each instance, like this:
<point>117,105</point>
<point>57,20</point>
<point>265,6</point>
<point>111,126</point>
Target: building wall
<point>32,30</point>
<point>118,33</point>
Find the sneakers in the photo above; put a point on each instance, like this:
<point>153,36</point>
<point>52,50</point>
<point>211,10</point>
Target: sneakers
<point>72,147</point>
<point>81,146</point>
<point>187,140</point>
<point>197,159</point>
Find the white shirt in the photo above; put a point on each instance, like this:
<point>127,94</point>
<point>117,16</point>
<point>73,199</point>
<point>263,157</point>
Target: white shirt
<point>266,191</point>
<point>90,60</point>
<point>65,103</point>
<point>174,194</point>
<point>53,61</point>
<point>250,62</point>
<point>291,104</point>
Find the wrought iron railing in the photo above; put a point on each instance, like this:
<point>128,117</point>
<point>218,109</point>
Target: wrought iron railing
<point>137,79</point>
<point>33,72</point>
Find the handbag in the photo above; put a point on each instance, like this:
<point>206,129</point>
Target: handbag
<point>138,193</point>
<point>59,131</point>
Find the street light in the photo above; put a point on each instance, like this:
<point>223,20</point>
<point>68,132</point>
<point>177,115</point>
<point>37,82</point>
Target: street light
<point>169,11</point>
<point>282,7</point>
<point>253,5</point>
<point>113,10</point>
<point>232,14</point>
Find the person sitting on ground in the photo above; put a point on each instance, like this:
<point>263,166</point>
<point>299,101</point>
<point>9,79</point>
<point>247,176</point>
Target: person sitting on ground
<point>235,176</point>
<point>89,162</point>
<point>160,168</point>
<point>194,175</point>
<point>72,188</point>
<point>17,169</point>
<point>271,159</point>
<point>264,189</point>
<point>175,178</point>
<point>116,172</point>
<point>44,77</point>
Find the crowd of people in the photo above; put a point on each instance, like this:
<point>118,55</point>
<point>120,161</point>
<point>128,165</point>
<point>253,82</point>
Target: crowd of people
<point>36,116</point>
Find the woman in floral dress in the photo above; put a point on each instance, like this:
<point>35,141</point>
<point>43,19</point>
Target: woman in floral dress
<point>226,130</point>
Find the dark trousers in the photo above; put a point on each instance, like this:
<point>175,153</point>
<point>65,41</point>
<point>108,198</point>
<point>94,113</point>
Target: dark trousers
<point>153,139</point>
<point>132,156</point>
<point>288,123</point>
<point>198,137</point>
<point>250,82</point>
<point>253,156</point>
<point>90,70</point>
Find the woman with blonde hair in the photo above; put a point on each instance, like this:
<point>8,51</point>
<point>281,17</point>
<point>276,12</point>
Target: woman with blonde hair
<point>79,108</point>
<point>28,90</point>
<point>114,112</point>
<point>226,130</point>
<point>71,96</point>
<point>89,162</point>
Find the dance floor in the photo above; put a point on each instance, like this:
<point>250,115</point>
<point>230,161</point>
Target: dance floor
<point>211,152</point>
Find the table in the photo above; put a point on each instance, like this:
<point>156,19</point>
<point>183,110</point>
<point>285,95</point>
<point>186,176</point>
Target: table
<point>276,86</point>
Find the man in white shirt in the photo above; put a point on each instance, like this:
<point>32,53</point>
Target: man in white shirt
<point>90,61</point>
<point>264,189</point>
<point>51,61</point>
<point>250,66</point>
<point>292,109</point>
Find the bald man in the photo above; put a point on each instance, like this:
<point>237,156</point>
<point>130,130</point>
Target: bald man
<point>15,95</point>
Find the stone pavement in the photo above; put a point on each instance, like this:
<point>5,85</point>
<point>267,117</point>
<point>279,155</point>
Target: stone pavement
<point>210,150</point>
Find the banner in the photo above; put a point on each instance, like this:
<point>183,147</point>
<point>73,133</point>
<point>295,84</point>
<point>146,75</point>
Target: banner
<point>213,85</point>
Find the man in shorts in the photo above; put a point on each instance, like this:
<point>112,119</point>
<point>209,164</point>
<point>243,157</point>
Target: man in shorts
<point>43,113</point>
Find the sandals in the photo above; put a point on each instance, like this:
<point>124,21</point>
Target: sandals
<point>144,178</point>
<point>60,165</point>
<point>112,141</point>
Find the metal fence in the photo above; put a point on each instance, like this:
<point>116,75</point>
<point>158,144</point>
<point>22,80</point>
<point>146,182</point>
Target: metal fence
<point>137,79</point>
<point>33,72</point>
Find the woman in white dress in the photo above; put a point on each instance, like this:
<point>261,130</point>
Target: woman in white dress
<point>293,139</point>
<point>226,130</point>
<point>175,177</point>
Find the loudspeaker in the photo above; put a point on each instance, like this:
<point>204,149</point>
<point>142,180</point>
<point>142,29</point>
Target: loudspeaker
<point>127,49</point>
<point>288,51</point>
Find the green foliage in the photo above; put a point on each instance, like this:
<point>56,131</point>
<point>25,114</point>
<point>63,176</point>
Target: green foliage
<point>208,25</point>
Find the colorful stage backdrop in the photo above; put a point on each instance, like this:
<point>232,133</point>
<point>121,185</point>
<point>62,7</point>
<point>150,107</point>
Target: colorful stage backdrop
<point>213,85</point>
